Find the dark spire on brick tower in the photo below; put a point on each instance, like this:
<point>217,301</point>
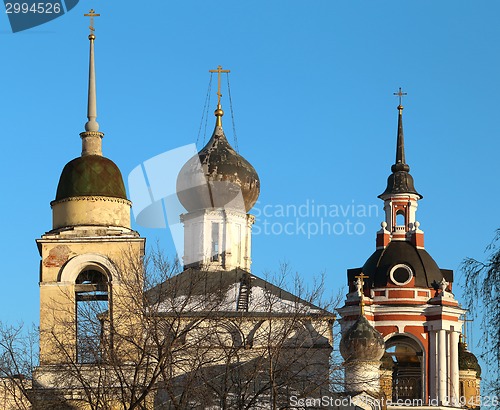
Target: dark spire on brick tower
<point>400,181</point>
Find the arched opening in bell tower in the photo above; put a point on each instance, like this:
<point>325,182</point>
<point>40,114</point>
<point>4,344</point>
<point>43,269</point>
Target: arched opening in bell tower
<point>400,218</point>
<point>407,359</point>
<point>92,314</point>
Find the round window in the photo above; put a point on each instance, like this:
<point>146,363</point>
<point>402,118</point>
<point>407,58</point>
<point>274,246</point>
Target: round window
<point>401,274</point>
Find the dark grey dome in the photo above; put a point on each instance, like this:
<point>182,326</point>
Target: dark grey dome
<point>400,182</point>
<point>362,342</point>
<point>215,177</point>
<point>425,270</point>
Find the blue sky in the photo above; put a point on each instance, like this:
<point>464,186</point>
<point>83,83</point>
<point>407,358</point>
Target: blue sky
<point>312,87</point>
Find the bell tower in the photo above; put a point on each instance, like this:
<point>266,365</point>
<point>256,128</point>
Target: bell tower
<point>88,255</point>
<point>408,299</point>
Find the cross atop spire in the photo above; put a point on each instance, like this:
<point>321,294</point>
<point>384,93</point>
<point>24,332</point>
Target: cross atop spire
<point>218,112</point>
<point>219,71</point>
<point>92,14</point>
<point>400,94</point>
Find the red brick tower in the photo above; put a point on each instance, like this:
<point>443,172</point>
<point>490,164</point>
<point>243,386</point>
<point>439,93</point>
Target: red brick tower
<point>408,299</point>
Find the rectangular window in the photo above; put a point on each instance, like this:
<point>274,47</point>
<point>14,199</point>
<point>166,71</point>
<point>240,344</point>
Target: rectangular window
<point>238,244</point>
<point>215,241</point>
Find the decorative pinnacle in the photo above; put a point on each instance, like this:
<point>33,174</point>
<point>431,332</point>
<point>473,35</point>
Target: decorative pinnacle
<point>219,112</point>
<point>92,124</point>
<point>400,94</point>
<point>361,278</point>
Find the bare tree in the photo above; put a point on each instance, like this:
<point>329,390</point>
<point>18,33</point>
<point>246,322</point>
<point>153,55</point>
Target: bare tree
<point>198,339</point>
<point>482,296</point>
<point>18,357</point>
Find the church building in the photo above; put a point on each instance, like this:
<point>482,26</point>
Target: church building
<point>121,328</point>
<point>212,336</point>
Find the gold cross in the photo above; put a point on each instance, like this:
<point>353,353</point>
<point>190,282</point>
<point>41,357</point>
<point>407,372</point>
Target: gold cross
<point>400,94</point>
<point>91,14</point>
<point>219,71</point>
<point>361,278</point>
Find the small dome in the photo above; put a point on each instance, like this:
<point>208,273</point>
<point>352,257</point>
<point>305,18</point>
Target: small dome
<point>425,270</point>
<point>90,175</point>
<point>467,360</point>
<point>400,182</point>
<point>222,176</point>
<point>362,342</point>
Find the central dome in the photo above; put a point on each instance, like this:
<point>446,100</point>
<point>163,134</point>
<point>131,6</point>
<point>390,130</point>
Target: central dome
<point>216,177</point>
<point>424,268</point>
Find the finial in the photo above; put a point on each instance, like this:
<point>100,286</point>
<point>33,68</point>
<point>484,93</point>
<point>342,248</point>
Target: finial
<point>92,124</point>
<point>91,14</point>
<point>400,94</point>
<point>361,277</point>
<point>219,112</point>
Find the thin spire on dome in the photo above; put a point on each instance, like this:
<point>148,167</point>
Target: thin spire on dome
<point>400,181</point>
<point>92,124</point>
<point>400,145</point>
<point>219,112</point>
<point>91,138</point>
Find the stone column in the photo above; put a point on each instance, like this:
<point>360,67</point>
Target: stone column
<point>454,370</point>
<point>433,380</point>
<point>442,367</point>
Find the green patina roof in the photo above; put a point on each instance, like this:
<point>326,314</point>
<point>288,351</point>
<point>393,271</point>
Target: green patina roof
<point>91,175</point>
<point>467,360</point>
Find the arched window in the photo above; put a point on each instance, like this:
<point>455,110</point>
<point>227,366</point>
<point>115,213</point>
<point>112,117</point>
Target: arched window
<point>400,219</point>
<point>92,315</point>
<point>407,357</point>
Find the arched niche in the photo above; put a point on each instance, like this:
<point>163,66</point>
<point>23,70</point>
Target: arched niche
<point>405,357</point>
<point>91,276</point>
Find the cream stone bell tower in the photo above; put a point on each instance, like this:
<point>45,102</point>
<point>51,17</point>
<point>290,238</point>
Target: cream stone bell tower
<point>218,187</point>
<point>84,258</point>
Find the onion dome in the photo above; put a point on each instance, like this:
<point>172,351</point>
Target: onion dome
<point>217,175</point>
<point>399,262</point>
<point>400,181</point>
<point>91,175</point>
<point>467,360</point>
<point>362,342</point>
